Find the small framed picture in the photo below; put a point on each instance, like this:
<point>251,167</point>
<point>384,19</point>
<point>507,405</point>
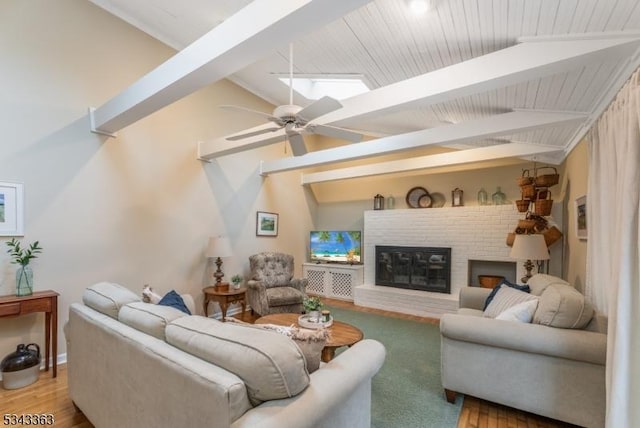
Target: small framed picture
<point>11,209</point>
<point>266,224</point>
<point>581,217</point>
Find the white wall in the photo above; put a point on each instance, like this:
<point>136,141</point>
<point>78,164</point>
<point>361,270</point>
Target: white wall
<point>576,172</point>
<point>136,209</point>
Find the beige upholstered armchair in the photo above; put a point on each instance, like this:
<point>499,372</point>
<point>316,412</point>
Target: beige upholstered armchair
<point>272,288</point>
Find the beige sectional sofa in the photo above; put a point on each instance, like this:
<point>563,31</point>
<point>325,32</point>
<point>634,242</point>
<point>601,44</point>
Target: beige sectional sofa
<point>135,364</point>
<point>537,367</point>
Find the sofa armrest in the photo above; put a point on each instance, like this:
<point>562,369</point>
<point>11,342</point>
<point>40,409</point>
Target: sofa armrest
<point>257,297</point>
<point>339,394</point>
<point>300,284</point>
<point>189,303</point>
<point>473,297</point>
<point>578,345</point>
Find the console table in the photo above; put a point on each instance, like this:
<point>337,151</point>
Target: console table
<point>39,301</point>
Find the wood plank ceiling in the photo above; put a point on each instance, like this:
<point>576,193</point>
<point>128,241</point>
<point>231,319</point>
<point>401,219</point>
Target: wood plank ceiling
<point>386,43</point>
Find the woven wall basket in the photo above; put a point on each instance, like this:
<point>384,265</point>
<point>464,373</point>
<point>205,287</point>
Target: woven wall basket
<point>543,206</point>
<point>548,180</point>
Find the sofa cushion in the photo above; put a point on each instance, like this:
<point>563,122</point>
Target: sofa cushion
<point>540,281</point>
<point>108,298</point>
<point>310,342</point>
<point>284,296</point>
<point>490,297</point>
<point>270,364</point>
<point>148,318</point>
<point>174,300</point>
<point>522,312</point>
<point>505,298</point>
<point>563,306</point>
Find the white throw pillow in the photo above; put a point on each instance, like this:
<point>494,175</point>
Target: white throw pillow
<point>505,298</point>
<point>522,312</point>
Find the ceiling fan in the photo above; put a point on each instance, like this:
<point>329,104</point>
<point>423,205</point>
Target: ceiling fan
<point>296,120</point>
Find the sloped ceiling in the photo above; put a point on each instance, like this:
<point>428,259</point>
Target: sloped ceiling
<point>386,43</point>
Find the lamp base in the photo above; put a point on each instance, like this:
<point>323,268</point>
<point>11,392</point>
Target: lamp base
<point>528,265</point>
<point>222,286</point>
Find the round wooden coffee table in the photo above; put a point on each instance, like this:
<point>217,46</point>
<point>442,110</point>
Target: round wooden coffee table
<point>341,333</point>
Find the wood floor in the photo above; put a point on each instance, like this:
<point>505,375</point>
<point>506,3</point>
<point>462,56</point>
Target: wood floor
<point>50,395</point>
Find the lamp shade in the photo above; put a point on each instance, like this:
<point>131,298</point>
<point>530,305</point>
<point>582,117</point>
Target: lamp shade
<point>219,247</point>
<point>529,247</point>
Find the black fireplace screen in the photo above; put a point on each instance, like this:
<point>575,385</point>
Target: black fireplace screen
<point>418,268</point>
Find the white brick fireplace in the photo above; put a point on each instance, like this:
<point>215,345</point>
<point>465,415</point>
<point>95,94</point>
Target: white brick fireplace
<point>472,233</point>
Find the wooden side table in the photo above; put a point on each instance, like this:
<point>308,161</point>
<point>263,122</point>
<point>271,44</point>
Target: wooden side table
<point>225,298</point>
<point>340,333</point>
<point>39,301</point>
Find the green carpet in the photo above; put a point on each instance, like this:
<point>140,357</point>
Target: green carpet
<point>407,392</point>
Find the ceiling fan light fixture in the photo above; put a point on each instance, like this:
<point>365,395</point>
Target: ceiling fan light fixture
<point>419,7</point>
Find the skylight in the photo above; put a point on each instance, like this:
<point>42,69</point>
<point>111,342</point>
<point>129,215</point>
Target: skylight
<point>315,87</point>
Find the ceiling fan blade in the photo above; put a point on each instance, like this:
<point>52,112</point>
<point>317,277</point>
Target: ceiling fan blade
<point>237,137</point>
<point>335,132</point>
<point>318,108</point>
<point>267,116</point>
<point>280,136</point>
<point>298,148</point>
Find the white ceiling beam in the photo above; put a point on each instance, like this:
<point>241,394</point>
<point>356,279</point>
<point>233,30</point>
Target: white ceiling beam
<point>532,59</point>
<point>515,64</point>
<point>472,130</point>
<point>431,161</point>
<point>254,32</point>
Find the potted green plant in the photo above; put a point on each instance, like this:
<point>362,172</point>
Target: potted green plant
<point>312,306</point>
<point>22,256</point>
<point>236,280</point>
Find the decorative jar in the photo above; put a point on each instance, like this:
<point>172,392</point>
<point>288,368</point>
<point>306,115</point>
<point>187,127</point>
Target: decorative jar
<point>378,202</point>
<point>390,202</point>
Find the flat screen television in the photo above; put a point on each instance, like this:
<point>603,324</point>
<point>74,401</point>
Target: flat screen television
<point>335,246</point>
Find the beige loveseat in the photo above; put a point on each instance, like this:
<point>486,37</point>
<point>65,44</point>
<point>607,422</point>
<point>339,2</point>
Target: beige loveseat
<point>135,364</point>
<point>551,371</point>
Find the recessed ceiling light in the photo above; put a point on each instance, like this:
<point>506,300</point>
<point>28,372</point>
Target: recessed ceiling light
<point>335,86</point>
<point>419,7</point>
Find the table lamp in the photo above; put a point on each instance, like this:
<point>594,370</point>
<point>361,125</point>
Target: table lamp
<point>218,248</point>
<point>529,247</point>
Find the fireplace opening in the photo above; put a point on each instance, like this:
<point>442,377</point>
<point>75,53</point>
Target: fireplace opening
<point>416,268</point>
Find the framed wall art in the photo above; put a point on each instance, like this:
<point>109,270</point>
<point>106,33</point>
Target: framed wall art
<point>11,209</point>
<point>266,224</point>
<point>581,217</point>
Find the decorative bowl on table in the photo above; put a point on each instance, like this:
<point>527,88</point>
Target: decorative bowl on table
<point>307,321</point>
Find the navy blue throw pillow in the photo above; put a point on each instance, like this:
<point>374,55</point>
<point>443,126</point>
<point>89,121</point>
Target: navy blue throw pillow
<point>174,300</point>
<point>493,293</point>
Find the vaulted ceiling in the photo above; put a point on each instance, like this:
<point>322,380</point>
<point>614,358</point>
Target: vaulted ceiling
<point>485,79</point>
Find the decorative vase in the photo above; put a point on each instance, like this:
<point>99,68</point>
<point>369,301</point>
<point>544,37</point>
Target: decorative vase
<point>482,197</point>
<point>499,198</point>
<point>236,285</point>
<point>24,281</point>
<point>314,316</point>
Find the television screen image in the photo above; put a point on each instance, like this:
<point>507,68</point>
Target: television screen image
<point>335,246</point>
